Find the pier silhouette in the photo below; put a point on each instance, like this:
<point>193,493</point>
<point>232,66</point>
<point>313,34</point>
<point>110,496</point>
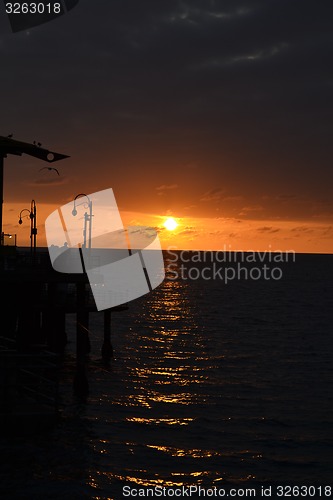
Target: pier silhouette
<point>33,309</point>
<point>36,300</point>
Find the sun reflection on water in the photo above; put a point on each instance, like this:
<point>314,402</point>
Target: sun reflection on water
<point>164,365</point>
<point>179,452</point>
<point>158,421</point>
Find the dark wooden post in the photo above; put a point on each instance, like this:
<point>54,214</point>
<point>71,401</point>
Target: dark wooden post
<point>82,322</point>
<point>54,320</point>
<point>29,332</point>
<point>81,385</point>
<point>107,350</point>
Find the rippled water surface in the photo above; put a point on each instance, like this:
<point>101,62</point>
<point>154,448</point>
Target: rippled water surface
<point>210,384</point>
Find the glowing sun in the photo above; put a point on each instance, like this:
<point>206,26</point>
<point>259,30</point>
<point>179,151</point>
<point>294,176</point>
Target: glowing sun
<point>170,224</point>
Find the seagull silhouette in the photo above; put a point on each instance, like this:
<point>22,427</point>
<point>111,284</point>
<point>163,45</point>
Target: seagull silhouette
<point>50,168</point>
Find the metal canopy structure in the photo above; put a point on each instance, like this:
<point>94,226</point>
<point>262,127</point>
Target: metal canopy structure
<point>18,148</point>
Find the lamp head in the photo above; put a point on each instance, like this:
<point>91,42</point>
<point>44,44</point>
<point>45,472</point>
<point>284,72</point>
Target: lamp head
<point>74,212</point>
<point>20,221</point>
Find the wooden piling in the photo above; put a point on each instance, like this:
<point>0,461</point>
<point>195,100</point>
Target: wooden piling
<point>107,350</point>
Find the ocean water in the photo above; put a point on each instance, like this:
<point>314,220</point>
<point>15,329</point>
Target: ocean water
<point>213,384</point>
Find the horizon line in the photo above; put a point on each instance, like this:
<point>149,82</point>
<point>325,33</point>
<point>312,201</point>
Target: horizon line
<point>28,248</point>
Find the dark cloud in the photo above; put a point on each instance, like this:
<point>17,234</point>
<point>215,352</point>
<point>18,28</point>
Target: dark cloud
<point>185,232</point>
<point>299,229</point>
<point>252,208</point>
<point>166,187</point>
<point>212,195</point>
<point>49,182</point>
<point>131,90</point>
<point>268,229</point>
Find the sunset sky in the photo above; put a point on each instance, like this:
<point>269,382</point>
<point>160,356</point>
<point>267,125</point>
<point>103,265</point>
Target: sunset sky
<point>217,113</point>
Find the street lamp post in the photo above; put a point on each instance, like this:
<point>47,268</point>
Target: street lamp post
<point>33,228</point>
<point>82,330</point>
<point>87,218</point>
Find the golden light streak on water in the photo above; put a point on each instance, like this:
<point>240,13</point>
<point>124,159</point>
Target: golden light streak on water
<point>179,452</point>
<point>158,421</point>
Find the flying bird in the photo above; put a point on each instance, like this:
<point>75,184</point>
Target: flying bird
<point>50,168</point>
